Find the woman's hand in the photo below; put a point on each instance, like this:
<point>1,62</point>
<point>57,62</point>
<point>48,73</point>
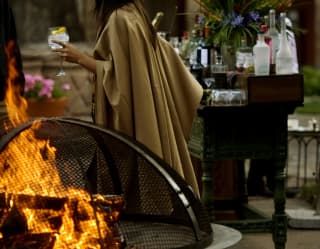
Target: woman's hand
<point>71,54</point>
<point>68,52</point>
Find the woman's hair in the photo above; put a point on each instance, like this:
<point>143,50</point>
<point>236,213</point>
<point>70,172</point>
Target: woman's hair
<point>104,8</point>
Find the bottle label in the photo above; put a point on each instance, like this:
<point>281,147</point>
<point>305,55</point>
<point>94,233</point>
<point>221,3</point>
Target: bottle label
<point>204,57</point>
<point>284,65</point>
<point>241,58</point>
<point>262,69</point>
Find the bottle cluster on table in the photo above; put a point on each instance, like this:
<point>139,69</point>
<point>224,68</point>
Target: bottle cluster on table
<point>282,56</point>
<point>199,52</point>
<point>207,65</point>
<point>273,52</point>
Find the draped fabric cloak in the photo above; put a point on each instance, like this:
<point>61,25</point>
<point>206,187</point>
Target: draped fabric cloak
<point>145,91</point>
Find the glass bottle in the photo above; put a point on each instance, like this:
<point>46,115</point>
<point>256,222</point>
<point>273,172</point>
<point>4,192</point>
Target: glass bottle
<point>185,47</point>
<point>219,72</point>
<point>248,64</point>
<point>274,35</point>
<point>265,29</point>
<point>206,51</point>
<point>174,41</point>
<point>261,56</point>
<point>284,58</point>
<point>193,48</point>
<point>202,50</point>
<point>196,68</point>
<point>292,44</point>
<point>242,53</point>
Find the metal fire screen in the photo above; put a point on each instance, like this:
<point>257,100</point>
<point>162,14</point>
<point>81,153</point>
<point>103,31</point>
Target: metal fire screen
<point>160,210</point>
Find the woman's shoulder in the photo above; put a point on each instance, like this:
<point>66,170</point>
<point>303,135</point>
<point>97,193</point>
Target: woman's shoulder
<point>125,14</point>
<point>123,23</point>
<point>126,21</point>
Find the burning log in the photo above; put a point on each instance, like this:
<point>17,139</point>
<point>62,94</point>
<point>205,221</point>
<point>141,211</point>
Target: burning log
<point>32,201</point>
<point>14,222</point>
<point>52,215</point>
<point>29,241</point>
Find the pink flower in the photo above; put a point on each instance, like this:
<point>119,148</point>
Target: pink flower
<point>48,83</point>
<point>66,86</point>
<point>47,87</point>
<point>39,87</point>
<point>29,78</point>
<point>38,78</point>
<point>30,82</point>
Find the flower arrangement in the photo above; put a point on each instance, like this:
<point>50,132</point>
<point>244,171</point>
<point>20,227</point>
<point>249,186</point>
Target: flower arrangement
<point>234,20</point>
<point>38,87</point>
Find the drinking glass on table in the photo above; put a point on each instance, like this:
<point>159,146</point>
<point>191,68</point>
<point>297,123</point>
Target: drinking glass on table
<point>58,33</point>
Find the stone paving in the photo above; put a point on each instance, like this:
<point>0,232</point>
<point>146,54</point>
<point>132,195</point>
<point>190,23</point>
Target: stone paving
<point>296,238</point>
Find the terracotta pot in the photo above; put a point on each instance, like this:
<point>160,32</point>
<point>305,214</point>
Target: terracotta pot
<point>46,107</point>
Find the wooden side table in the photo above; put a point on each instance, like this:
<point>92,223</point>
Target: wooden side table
<point>257,130</point>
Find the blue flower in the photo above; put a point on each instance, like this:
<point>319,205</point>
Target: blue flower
<point>254,16</point>
<point>237,20</point>
<point>201,20</point>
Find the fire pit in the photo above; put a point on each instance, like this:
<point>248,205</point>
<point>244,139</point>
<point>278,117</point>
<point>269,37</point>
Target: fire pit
<point>101,180</point>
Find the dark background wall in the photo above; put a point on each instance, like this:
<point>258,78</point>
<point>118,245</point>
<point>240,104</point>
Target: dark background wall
<point>33,17</point>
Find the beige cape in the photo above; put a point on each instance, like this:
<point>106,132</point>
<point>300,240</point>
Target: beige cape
<point>144,92</point>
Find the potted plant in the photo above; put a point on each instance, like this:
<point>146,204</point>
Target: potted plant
<point>45,97</point>
<point>234,20</point>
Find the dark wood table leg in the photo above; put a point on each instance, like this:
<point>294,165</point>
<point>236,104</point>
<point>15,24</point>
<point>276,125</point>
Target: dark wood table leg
<point>207,183</point>
<point>280,222</point>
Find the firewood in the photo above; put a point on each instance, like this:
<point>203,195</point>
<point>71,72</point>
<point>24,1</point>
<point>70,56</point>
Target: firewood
<point>28,241</point>
<point>32,201</point>
<point>14,222</point>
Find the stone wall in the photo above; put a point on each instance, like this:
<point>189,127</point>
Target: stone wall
<point>33,17</point>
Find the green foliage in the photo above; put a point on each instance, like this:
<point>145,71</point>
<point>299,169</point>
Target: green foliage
<point>234,20</point>
<point>309,107</point>
<point>310,193</point>
<point>311,77</point>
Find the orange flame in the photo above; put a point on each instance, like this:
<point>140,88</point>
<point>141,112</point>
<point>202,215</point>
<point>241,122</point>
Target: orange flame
<point>28,171</point>
<point>15,103</point>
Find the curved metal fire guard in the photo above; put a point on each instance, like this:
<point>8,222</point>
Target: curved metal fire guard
<point>160,209</point>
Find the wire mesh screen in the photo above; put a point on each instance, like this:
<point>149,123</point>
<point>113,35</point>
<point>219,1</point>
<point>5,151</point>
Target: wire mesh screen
<point>157,208</point>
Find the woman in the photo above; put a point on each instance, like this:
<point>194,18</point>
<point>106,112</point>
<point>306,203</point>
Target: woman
<point>142,87</point>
